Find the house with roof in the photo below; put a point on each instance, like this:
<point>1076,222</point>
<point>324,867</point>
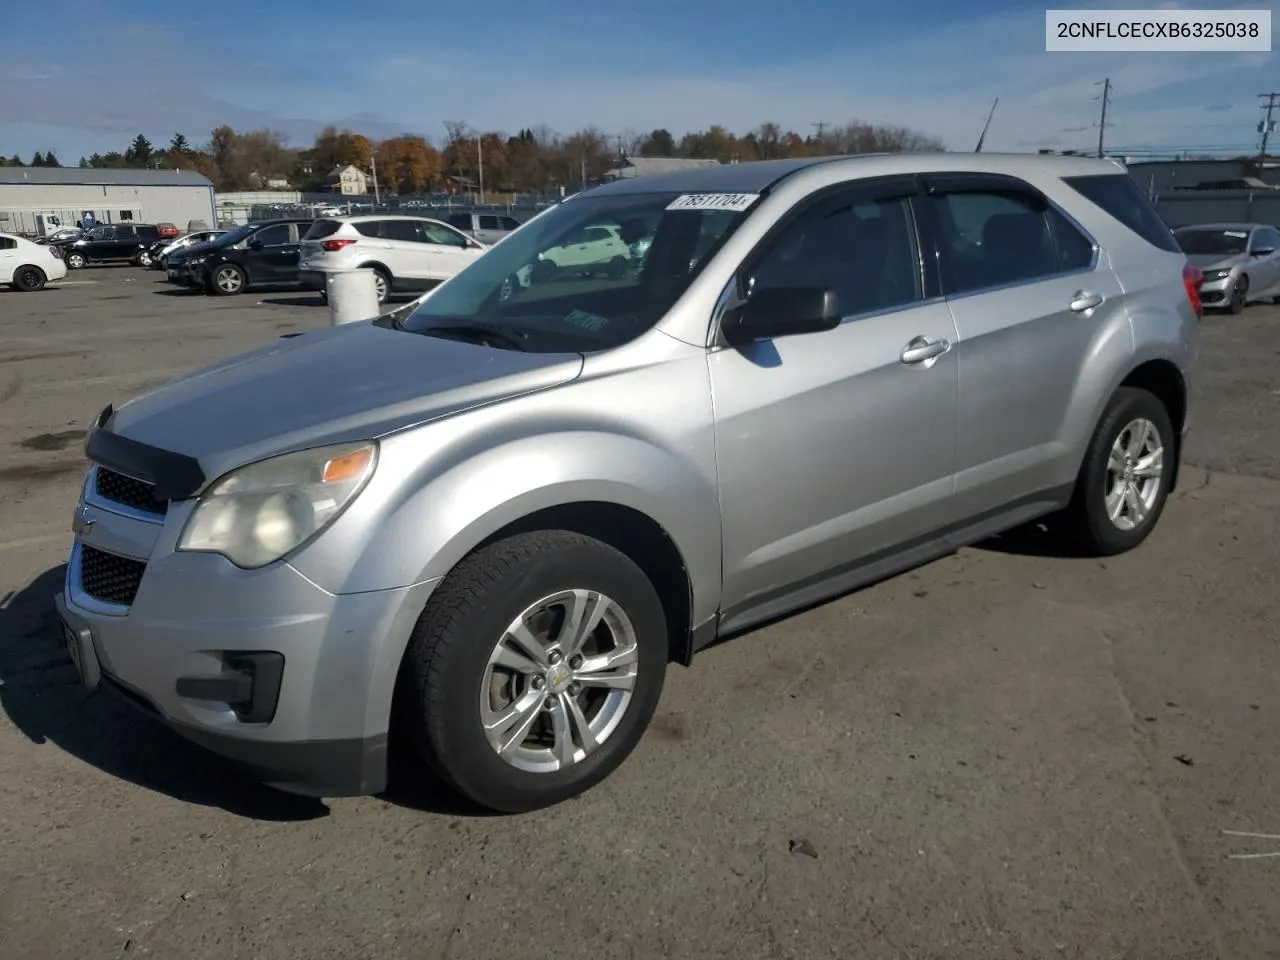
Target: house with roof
<point>347,180</point>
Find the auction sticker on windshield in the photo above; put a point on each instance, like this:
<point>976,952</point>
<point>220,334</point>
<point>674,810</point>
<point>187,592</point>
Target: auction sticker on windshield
<point>737,202</point>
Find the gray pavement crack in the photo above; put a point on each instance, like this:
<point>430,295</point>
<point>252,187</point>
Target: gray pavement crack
<point>1176,851</point>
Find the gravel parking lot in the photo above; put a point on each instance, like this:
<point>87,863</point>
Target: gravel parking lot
<point>1003,754</point>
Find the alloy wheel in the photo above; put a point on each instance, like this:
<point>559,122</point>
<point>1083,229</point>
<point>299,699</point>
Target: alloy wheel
<point>1135,469</point>
<point>559,681</point>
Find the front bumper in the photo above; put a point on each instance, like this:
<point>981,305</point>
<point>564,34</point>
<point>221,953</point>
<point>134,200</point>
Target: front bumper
<point>173,632</point>
<point>1217,293</point>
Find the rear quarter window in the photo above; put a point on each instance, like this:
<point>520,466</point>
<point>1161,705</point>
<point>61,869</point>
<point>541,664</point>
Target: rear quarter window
<point>370,228</point>
<point>321,229</point>
<point>1118,195</point>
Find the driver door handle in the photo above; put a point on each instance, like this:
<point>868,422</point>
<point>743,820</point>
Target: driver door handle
<point>1084,300</point>
<point>921,349</point>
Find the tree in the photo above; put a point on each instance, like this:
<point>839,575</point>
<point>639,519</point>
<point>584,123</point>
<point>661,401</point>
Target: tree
<point>37,159</point>
<point>139,153</point>
<point>50,160</point>
<point>16,161</point>
<point>340,148</point>
<point>408,164</point>
<point>659,143</point>
<point>178,146</point>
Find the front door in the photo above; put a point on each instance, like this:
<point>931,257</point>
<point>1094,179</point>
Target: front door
<point>448,250</point>
<point>1030,293</point>
<point>273,254</point>
<point>836,450</point>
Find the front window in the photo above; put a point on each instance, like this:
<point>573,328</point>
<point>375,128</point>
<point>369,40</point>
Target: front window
<point>569,280</point>
<point>1215,243</point>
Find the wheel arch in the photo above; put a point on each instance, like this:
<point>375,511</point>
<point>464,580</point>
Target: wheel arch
<point>1162,378</point>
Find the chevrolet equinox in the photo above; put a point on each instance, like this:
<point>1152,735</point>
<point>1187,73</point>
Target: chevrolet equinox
<point>485,525</point>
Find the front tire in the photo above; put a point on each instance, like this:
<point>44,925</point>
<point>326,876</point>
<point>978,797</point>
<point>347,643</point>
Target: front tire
<point>29,279</point>
<point>227,280</point>
<point>535,669</point>
<point>1239,295</point>
<point>1124,481</point>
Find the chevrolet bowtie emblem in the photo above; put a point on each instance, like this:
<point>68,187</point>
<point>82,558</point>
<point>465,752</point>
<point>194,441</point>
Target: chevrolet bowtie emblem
<point>81,523</point>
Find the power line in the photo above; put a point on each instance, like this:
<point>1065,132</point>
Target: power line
<point>1265,126</point>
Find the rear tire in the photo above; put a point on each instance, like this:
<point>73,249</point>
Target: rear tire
<point>463,664</point>
<point>75,261</point>
<point>381,285</point>
<point>1124,481</point>
<point>144,258</point>
<point>29,279</point>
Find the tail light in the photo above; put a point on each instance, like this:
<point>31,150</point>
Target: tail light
<point>332,245</point>
<point>56,251</point>
<point>1191,279</point>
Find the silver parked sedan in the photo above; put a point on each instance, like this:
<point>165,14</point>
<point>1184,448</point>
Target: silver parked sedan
<point>1240,262</point>
<point>488,523</point>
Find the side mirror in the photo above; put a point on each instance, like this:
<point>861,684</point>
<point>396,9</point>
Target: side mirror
<point>782,311</point>
<point>255,244</point>
<point>1263,251</point>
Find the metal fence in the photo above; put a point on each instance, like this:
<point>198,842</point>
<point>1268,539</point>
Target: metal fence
<point>1184,207</point>
<point>435,205</point>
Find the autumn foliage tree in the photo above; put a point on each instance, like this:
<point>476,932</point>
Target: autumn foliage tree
<point>534,158</point>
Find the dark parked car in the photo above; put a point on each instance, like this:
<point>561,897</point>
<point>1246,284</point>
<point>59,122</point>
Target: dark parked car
<point>157,255</point>
<point>108,243</point>
<point>259,254</point>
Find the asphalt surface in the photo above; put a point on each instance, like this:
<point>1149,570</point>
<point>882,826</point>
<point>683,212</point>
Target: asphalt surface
<point>1003,754</point>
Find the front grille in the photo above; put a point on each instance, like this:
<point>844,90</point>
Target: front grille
<point>109,578</point>
<point>138,494</point>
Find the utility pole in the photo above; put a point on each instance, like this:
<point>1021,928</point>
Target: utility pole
<point>480,162</point>
<point>983,136</point>
<point>373,164</point>
<point>1102,124</point>
<point>821,127</point>
<point>1266,126</point>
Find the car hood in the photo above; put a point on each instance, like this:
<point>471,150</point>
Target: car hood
<point>195,250</point>
<point>1215,261</point>
<point>351,382</point>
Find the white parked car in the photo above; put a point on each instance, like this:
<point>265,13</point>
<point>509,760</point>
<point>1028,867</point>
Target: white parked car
<point>599,247</point>
<point>29,266</point>
<point>407,254</point>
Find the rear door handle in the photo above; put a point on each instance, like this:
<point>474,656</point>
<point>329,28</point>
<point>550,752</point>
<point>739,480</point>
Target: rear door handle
<point>1084,300</point>
<point>921,349</point>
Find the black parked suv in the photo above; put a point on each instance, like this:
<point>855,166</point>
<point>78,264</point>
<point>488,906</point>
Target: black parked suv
<point>108,243</point>
<point>259,254</point>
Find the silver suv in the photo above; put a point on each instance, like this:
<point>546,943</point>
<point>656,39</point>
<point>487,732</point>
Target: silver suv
<point>485,525</point>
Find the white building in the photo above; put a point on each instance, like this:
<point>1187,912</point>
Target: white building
<point>647,166</point>
<point>66,194</point>
<point>350,181</point>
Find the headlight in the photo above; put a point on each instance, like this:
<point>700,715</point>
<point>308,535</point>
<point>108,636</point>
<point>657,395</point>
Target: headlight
<point>256,514</point>
<point>1216,274</point>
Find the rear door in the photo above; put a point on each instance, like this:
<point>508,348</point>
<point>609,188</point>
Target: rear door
<point>408,255</point>
<point>125,244</point>
<point>488,228</point>
<point>1030,292</point>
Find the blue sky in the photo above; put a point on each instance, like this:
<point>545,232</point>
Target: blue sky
<point>87,75</point>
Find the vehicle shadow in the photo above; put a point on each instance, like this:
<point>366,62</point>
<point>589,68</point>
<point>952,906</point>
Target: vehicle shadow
<point>1039,538</point>
<point>41,696</point>
<point>308,299</point>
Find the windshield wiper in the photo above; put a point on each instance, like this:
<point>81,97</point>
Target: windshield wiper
<point>476,333</point>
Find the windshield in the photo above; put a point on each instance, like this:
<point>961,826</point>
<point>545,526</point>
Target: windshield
<point>1221,243</point>
<point>236,235</point>
<point>570,279</point>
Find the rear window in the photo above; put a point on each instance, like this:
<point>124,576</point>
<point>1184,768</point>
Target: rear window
<point>148,233</point>
<point>1119,196</point>
<point>489,223</point>
<point>321,229</point>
